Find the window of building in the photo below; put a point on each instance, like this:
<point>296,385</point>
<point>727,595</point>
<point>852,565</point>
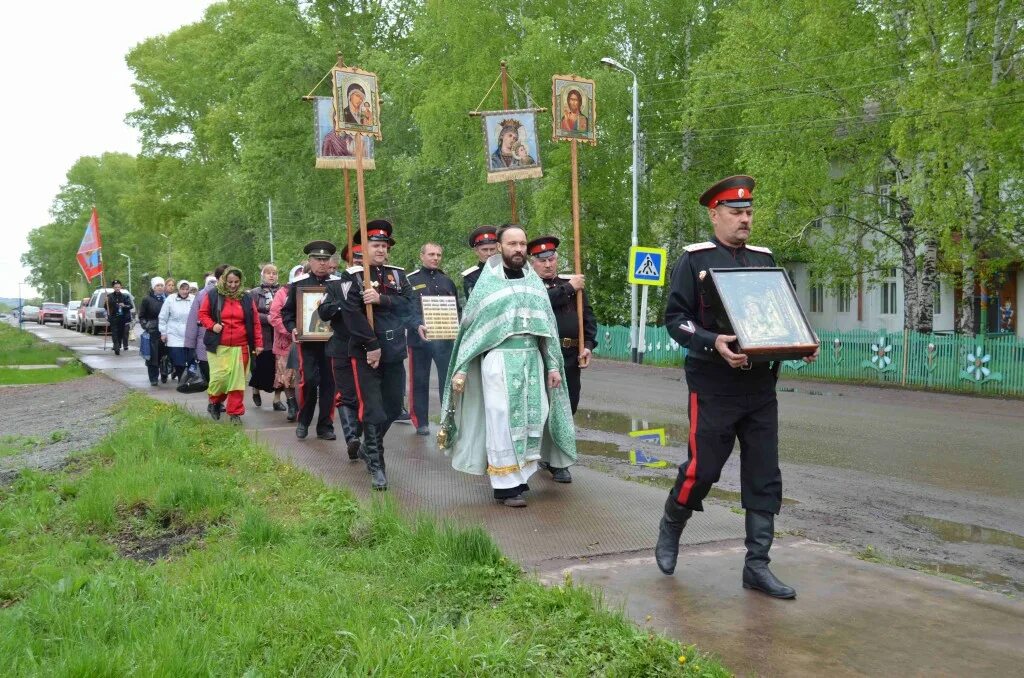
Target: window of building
<point>843,298</point>
<point>817,298</point>
<point>937,301</point>
<point>889,293</point>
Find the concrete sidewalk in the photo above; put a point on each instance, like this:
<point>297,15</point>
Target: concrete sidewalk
<point>850,618</point>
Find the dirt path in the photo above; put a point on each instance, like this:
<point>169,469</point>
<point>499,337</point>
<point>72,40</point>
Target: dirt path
<point>50,422</point>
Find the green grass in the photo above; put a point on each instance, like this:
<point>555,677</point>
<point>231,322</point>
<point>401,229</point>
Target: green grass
<point>273,573</point>
<point>17,444</point>
<point>15,377</point>
<point>20,347</point>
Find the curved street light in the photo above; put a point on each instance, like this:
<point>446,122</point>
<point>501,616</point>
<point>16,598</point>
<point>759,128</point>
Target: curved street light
<point>611,63</point>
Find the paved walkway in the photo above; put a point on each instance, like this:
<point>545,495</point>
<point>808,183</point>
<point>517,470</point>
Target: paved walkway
<point>851,617</point>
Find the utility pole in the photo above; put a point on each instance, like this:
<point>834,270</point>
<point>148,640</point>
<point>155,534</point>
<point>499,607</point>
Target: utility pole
<point>270,220</point>
<point>129,273</point>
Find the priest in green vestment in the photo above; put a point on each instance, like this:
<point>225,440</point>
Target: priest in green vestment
<point>506,406</point>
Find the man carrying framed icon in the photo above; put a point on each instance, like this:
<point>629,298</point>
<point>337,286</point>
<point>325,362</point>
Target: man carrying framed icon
<point>731,394</point>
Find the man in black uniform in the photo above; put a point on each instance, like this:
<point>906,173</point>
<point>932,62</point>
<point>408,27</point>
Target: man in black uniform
<point>316,376</point>
<point>337,350</point>
<point>377,352</point>
<point>119,313</point>
<point>562,290</point>
<point>428,281</point>
<point>484,241</point>
<point>730,396</point>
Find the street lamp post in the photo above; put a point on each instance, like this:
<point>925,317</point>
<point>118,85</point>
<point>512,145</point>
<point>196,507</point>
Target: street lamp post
<point>167,238</point>
<point>615,65</point>
<point>60,286</point>
<point>129,272</point>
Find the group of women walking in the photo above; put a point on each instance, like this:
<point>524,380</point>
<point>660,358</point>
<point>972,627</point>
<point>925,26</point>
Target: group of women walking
<point>225,332</point>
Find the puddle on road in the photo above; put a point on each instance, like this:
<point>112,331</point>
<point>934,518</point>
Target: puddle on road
<point>614,422</point>
<point>950,531</point>
<point>600,449</point>
<point>972,574</point>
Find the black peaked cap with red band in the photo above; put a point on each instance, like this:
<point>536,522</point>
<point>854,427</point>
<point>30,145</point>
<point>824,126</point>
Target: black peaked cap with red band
<point>543,247</point>
<point>378,230</point>
<point>483,235</point>
<point>357,252</point>
<point>736,191</point>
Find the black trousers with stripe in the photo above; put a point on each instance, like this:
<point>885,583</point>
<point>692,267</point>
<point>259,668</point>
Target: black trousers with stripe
<point>420,358</point>
<point>316,385</point>
<point>716,421</point>
<point>571,357</point>
<point>379,391</point>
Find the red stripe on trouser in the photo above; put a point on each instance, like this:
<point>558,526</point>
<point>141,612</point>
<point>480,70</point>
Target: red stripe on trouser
<point>691,468</point>
<point>302,379</point>
<point>359,393</point>
<point>412,392</point>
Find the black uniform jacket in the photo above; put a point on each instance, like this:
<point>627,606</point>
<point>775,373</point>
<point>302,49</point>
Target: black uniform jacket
<point>396,312</point>
<point>330,311</point>
<point>469,278</point>
<point>563,303</point>
<point>288,312</point>
<point>688,318</point>
<point>430,283</point>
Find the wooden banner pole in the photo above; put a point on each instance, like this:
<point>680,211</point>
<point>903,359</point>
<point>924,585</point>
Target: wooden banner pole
<point>361,197</point>
<point>504,102</point>
<point>348,216</point>
<point>576,244</point>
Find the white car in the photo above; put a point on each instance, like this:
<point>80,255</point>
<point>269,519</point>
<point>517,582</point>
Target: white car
<point>29,314</point>
<point>71,314</point>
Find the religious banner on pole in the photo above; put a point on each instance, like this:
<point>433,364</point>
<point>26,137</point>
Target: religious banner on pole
<point>90,251</point>
<point>356,101</point>
<point>574,119</point>
<point>335,149</point>
<point>511,145</point>
<point>573,108</point>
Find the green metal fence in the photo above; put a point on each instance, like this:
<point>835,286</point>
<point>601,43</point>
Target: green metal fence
<point>984,364</point>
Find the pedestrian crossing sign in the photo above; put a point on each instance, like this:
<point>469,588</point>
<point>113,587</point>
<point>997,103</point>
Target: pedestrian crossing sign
<point>647,266</point>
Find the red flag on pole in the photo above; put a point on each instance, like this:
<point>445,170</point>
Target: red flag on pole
<point>90,252</point>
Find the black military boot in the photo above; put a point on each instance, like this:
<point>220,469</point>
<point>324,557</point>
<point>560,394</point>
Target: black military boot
<point>756,575</point>
<point>351,429</point>
<point>669,532</point>
<point>371,452</point>
<point>293,409</point>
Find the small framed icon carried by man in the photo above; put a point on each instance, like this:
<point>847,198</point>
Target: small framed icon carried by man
<point>309,326</point>
<point>573,109</point>
<point>356,101</point>
<point>334,149</point>
<point>511,146</point>
<point>760,307</point>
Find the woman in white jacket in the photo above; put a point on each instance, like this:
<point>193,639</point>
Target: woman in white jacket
<point>173,321</point>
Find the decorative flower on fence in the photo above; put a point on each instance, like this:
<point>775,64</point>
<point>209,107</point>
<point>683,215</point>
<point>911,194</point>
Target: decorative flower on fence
<point>978,369</point>
<point>880,358</point>
<point>837,350</point>
<point>794,364</point>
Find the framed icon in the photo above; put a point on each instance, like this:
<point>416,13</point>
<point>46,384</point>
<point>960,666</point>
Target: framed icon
<point>308,323</point>
<point>334,149</point>
<point>760,307</point>
<point>573,109</point>
<point>511,146</point>
<point>356,101</point>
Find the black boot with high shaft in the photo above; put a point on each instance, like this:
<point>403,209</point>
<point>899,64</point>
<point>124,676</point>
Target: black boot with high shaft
<point>756,575</point>
<point>669,532</point>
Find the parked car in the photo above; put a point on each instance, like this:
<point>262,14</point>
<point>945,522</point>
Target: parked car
<point>71,314</point>
<point>84,304</point>
<point>29,314</point>
<point>96,310</point>
<point>52,312</point>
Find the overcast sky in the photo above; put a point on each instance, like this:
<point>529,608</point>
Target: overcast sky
<point>71,52</point>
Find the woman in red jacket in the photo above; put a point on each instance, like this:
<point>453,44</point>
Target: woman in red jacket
<point>233,333</point>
